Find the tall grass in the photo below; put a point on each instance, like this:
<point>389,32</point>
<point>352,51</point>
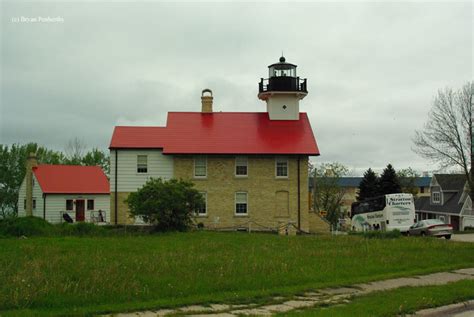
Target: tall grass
<point>101,274</point>
<point>37,227</point>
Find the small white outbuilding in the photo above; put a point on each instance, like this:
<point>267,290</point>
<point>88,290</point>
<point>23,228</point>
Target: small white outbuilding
<point>58,193</point>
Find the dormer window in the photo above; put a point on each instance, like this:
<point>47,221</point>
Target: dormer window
<point>436,197</point>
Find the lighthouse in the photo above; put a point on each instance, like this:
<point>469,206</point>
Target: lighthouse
<point>282,91</point>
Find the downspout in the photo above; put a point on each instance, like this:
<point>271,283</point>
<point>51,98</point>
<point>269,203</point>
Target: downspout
<point>44,206</point>
<point>115,185</point>
<point>299,196</point>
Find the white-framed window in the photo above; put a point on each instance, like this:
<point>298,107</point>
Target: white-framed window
<point>142,164</point>
<point>69,204</point>
<point>34,203</point>
<point>241,166</point>
<point>281,167</point>
<point>203,211</point>
<point>200,166</point>
<point>241,203</point>
<point>436,197</point>
<point>90,204</point>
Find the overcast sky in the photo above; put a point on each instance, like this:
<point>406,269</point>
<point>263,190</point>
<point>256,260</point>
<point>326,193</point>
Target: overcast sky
<point>373,69</point>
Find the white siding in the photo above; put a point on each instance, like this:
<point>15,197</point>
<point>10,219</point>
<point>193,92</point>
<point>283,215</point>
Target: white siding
<point>37,195</point>
<point>129,180</point>
<point>56,205</point>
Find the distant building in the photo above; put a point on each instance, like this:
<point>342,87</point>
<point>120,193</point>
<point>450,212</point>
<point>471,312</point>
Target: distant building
<point>57,192</point>
<point>449,201</point>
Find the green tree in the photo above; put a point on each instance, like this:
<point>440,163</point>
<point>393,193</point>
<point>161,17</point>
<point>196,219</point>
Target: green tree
<point>369,186</point>
<point>407,178</point>
<point>96,157</point>
<point>388,182</point>
<point>169,205</point>
<point>327,192</point>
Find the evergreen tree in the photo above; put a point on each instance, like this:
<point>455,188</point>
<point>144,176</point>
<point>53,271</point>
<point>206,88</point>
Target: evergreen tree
<point>368,187</point>
<point>389,182</point>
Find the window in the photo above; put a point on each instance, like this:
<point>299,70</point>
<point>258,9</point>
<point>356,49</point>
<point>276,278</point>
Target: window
<point>90,204</point>
<point>241,163</point>
<point>241,203</point>
<point>200,166</point>
<point>422,190</point>
<point>34,204</point>
<point>203,211</point>
<point>281,166</point>
<point>437,197</point>
<point>142,164</point>
<point>69,204</point>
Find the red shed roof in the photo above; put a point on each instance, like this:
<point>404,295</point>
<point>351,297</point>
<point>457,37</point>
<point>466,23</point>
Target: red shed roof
<point>221,133</point>
<point>71,179</point>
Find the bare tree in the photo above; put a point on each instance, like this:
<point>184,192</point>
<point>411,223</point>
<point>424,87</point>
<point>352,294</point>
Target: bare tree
<point>327,194</point>
<point>75,150</point>
<point>446,138</point>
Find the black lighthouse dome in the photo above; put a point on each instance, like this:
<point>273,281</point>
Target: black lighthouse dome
<point>282,77</point>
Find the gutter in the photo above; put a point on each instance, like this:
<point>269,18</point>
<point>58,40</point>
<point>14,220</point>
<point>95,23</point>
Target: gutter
<point>299,196</point>
<point>115,185</point>
<point>437,212</point>
<point>44,206</point>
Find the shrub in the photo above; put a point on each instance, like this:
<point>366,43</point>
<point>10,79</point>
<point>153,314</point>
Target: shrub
<point>81,229</point>
<point>26,226</point>
<point>392,234</point>
<point>169,205</point>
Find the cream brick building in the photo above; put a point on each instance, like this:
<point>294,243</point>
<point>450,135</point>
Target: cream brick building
<point>252,168</point>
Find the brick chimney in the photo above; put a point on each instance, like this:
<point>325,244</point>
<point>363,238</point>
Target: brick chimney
<point>206,101</point>
<point>31,163</point>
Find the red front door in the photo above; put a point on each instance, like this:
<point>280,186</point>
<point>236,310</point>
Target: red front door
<point>80,208</point>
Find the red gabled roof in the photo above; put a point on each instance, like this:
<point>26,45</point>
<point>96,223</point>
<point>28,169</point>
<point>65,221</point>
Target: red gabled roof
<point>71,179</point>
<point>138,137</point>
<point>221,133</point>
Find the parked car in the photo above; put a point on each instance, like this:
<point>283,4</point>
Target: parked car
<point>431,227</point>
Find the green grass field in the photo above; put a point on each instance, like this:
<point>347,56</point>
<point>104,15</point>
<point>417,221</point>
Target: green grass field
<point>80,276</point>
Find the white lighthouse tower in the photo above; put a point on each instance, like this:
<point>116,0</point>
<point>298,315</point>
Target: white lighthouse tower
<point>282,91</point>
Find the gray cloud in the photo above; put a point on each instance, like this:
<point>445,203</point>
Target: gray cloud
<point>372,68</point>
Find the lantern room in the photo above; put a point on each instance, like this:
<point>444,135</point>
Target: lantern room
<point>282,77</point>
<point>282,91</point>
<point>282,69</point>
